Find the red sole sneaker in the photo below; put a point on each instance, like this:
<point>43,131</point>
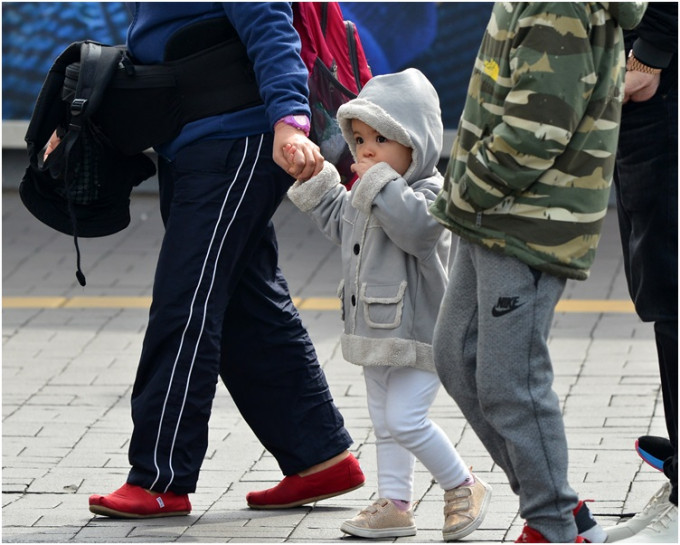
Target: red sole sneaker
<point>294,490</point>
<point>131,501</point>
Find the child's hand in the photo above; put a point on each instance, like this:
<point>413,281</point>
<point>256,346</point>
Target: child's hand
<point>293,154</point>
<point>290,151</point>
<point>361,166</point>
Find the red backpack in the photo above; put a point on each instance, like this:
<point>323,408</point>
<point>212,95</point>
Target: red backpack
<point>332,52</point>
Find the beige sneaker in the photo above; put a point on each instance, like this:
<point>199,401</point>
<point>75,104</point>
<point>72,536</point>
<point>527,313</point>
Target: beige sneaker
<point>382,519</point>
<point>464,509</point>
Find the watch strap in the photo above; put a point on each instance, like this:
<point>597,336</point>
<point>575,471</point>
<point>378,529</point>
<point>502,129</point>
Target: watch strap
<point>635,65</point>
<point>300,122</point>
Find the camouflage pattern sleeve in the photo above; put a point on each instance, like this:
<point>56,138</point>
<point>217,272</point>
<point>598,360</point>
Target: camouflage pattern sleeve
<point>548,74</point>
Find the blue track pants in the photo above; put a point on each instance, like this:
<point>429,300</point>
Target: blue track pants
<point>221,308</point>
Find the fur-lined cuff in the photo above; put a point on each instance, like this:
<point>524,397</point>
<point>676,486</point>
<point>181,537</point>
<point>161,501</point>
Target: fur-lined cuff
<point>307,195</point>
<point>366,190</point>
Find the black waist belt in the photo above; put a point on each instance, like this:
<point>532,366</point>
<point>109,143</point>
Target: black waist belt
<point>206,72</point>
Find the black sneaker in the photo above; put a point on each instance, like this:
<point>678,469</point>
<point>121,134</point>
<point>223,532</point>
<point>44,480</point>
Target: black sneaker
<point>654,450</point>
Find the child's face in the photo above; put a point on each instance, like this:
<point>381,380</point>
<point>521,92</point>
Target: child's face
<point>372,148</point>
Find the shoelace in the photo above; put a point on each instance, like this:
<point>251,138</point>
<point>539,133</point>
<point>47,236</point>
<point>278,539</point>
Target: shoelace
<point>663,520</point>
<point>660,496</point>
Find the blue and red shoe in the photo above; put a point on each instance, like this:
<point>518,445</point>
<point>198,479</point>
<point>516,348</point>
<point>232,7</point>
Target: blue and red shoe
<point>654,450</point>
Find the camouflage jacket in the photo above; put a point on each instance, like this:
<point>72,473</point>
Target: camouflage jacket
<point>532,164</point>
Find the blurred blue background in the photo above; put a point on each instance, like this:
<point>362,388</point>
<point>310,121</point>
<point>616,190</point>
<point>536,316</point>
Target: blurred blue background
<point>441,39</point>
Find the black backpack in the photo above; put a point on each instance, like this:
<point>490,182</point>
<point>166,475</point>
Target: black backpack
<point>107,110</point>
<point>83,188</point>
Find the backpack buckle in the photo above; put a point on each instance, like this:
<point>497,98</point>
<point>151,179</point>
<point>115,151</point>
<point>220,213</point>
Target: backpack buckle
<point>78,106</point>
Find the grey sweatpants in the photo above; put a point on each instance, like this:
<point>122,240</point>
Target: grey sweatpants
<point>491,353</point>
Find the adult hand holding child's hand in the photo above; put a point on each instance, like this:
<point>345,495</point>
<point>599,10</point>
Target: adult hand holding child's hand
<point>305,160</point>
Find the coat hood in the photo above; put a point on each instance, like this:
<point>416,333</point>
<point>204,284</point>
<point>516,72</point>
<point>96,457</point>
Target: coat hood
<point>627,14</point>
<point>403,107</point>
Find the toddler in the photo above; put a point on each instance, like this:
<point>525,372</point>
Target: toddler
<point>394,260</point>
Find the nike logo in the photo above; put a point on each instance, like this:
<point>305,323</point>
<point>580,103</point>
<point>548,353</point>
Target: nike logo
<point>505,305</point>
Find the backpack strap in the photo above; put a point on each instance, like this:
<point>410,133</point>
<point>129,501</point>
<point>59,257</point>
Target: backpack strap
<point>48,112</point>
<point>97,66</point>
<point>353,52</point>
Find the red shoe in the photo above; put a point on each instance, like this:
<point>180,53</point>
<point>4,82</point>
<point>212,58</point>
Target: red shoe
<point>294,490</point>
<point>131,501</point>
<point>529,535</point>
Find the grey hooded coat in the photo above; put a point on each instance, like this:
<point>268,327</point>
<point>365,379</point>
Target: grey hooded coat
<point>395,256</point>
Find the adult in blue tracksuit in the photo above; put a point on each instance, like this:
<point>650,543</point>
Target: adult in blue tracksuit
<point>221,307</point>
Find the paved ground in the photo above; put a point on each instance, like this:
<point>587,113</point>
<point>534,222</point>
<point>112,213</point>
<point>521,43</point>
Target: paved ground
<point>69,360</point>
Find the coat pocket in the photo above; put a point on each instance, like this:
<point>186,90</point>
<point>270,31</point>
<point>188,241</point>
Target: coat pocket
<point>383,305</point>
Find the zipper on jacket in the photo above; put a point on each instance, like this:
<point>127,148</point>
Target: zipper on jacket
<point>478,219</point>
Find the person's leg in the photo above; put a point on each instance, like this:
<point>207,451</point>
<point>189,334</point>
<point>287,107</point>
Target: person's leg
<point>667,348</point>
<point>390,515</point>
<point>515,387</point>
<point>206,230</point>
<point>512,407</point>
<point>395,462</point>
<point>269,364</point>
<point>455,353</point>
<point>270,367</point>
<point>657,521</point>
<point>410,394</point>
<point>647,206</point>
<point>648,223</point>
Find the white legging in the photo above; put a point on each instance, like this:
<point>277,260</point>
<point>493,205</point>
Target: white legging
<point>399,399</point>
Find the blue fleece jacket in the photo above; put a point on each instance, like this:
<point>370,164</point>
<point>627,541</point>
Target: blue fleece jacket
<point>273,45</point>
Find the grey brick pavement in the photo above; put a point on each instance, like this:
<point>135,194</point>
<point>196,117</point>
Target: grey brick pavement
<point>67,376</point>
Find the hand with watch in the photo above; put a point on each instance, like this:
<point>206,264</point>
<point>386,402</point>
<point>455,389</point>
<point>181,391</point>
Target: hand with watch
<point>642,81</point>
<point>292,131</point>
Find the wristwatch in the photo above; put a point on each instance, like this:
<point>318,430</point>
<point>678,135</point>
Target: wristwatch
<point>635,65</point>
<point>300,122</point>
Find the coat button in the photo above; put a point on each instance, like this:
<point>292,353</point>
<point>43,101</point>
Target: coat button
<point>354,301</point>
<point>356,249</point>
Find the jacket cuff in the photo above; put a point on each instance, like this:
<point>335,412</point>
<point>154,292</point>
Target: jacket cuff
<point>307,195</point>
<point>366,190</point>
<point>651,56</point>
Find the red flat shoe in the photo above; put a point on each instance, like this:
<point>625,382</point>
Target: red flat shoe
<point>131,501</point>
<point>294,490</point>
